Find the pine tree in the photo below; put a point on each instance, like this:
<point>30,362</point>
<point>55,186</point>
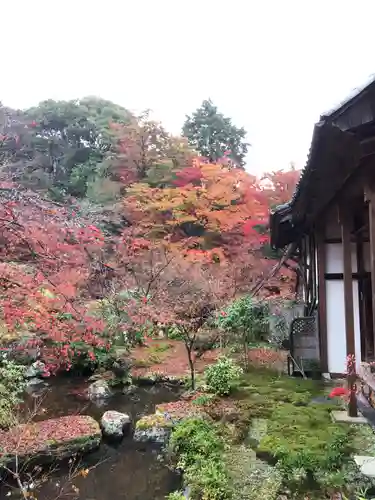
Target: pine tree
<point>214,135</point>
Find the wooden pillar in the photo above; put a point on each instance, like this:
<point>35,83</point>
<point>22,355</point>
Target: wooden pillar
<point>361,301</point>
<point>370,196</point>
<point>322,300</point>
<point>349,307</point>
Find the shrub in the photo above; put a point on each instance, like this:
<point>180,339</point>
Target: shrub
<point>199,449</point>
<point>247,318</point>
<point>222,377</point>
<point>174,333</point>
<point>12,384</point>
<point>208,480</point>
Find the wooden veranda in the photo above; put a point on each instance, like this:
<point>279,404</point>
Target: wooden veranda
<point>330,224</point>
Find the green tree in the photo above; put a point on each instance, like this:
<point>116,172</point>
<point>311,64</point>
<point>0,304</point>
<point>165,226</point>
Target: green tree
<point>214,135</point>
<point>62,146</point>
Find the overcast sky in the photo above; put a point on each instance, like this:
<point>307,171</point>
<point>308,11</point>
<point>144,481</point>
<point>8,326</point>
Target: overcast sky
<point>273,66</point>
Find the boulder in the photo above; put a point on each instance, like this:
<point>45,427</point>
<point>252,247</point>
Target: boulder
<point>129,390</point>
<point>50,440</point>
<point>35,381</point>
<point>99,390</point>
<point>151,378</point>
<point>37,369</point>
<point>113,424</point>
<point>153,428</point>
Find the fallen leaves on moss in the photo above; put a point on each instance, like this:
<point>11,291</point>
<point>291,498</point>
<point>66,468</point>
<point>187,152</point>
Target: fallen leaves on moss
<point>27,439</point>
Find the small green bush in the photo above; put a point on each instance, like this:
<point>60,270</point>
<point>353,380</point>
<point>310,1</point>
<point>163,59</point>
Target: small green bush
<point>223,376</point>
<point>174,333</point>
<point>247,318</point>
<point>12,384</point>
<point>199,449</point>
<point>208,480</point>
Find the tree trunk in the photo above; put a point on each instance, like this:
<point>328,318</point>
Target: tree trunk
<point>246,352</point>
<point>192,369</point>
<point>352,405</point>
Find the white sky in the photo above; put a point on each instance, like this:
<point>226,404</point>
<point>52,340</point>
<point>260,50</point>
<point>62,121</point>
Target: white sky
<point>273,66</point>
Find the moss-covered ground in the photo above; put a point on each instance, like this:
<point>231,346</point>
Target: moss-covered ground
<point>278,442</point>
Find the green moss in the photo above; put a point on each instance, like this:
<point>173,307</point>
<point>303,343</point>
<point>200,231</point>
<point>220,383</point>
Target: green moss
<point>176,495</point>
<point>156,420</point>
<point>305,436</point>
<point>311,453</point>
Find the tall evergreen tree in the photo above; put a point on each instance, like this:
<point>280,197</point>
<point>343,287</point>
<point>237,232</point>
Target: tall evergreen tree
<point>214,135</point>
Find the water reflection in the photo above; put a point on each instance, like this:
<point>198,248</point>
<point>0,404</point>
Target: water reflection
<point>126,470</point>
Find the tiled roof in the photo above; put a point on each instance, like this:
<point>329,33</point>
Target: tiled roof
<point>328,116</point>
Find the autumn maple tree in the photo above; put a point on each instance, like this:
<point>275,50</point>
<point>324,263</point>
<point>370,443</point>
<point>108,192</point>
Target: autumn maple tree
<point>161,209</point>
<point>45,264</point>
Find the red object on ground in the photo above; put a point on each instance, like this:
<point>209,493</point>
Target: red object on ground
<point>338,392</point>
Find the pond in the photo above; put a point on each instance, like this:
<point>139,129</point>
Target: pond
<point>127,470</point>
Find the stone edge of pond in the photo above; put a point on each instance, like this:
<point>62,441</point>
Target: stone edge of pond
<point>51,448</point>
<point>152,378</point>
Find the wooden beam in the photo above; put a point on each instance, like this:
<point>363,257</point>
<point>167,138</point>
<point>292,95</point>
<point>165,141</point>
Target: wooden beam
<point>349,306</point>
<point>322,301</point>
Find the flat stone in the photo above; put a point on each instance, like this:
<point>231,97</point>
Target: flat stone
<point>366,464</point>
<point>342,416</point>
<point>153,428</point>
<point>49,440</point>
<point>321,400</point>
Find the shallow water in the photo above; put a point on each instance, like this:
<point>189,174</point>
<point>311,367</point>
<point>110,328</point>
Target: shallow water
<point>127,470</point>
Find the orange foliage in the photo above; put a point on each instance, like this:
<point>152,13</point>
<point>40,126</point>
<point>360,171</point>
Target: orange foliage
<point>204,203</point>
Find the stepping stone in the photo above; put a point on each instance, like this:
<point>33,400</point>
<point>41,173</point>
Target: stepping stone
<point>343,417</point>
<point>322,400</point>
<point>366,464</point>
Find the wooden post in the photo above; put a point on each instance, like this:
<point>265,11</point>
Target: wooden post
<point>349,309</point>
<point>370,197</point>
<point>322,300</point>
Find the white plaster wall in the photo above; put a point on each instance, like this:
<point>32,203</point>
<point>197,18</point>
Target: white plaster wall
<point>336,326</point>
<point>336,334</point>
<point>334,258</point>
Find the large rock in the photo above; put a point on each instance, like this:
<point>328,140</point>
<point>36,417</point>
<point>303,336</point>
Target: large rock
<point>151,378</point>
<point>53,439</point>
<point>153,428</point>
<point>129,390</point>
<point>114,423</point>
<point>99,390</point>
<point>37,369</point>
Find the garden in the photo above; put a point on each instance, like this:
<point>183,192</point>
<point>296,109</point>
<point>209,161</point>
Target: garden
<point>145,318</point>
